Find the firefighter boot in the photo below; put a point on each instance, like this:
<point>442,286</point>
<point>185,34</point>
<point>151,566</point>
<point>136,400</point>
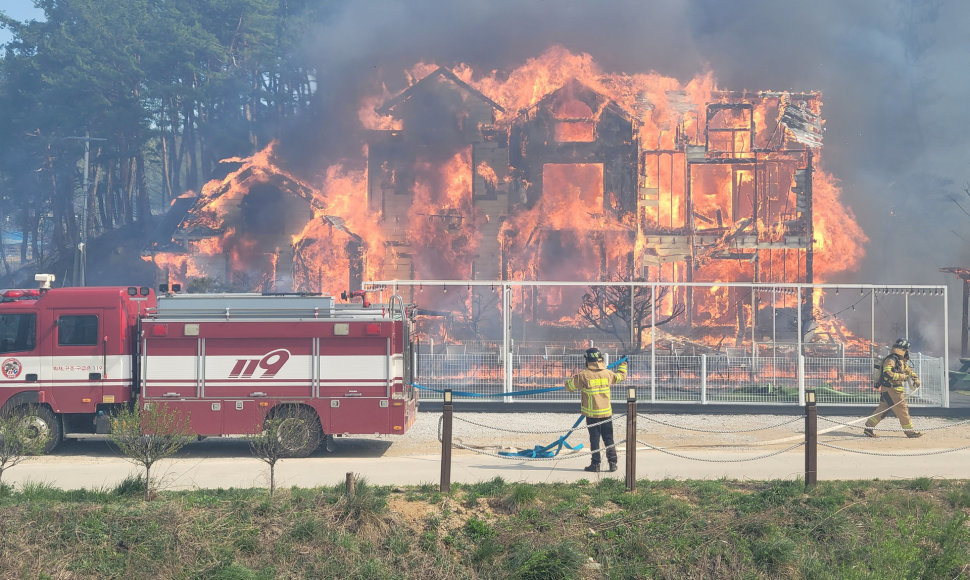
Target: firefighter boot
<point>868,432</point>
<point>913,434</point>
<point>612,466</point>
<point>592,467</point>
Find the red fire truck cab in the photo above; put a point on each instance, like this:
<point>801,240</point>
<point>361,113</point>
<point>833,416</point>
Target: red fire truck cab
<point>71,356</point>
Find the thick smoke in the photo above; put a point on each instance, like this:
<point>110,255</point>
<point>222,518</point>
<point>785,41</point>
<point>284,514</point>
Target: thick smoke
<point>892,75</point>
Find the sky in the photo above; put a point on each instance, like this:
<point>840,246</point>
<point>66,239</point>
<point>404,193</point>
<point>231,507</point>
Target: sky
<point>20,10</point>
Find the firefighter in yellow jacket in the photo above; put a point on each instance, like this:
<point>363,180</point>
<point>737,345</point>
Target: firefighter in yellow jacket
<point>895,372</point>
<point>594,383</point>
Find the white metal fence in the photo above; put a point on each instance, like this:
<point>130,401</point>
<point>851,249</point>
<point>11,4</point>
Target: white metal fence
<point>488,339</point>
<point>701,379</point>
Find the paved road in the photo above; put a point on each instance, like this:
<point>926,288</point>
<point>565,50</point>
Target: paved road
<point>225,463</point>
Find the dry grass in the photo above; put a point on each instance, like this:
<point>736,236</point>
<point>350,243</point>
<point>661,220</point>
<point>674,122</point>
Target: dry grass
<point>705,529</point>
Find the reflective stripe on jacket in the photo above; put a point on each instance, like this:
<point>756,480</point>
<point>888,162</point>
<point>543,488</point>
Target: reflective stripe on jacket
<point>594,384</point>
<point>895,372</point>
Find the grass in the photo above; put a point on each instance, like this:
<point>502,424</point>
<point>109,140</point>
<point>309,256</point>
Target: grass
<point>915,528</point>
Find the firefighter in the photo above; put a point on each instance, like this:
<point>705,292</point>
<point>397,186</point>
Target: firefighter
<point>895,372</point>
<point>594,383</point>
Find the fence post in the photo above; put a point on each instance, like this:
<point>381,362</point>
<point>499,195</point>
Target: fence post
<point>801,379</point>
<point>811,438</point>
<point>447,412</point>
<point>631,440</point>
<point>703,379</point>
<point>350,486</point>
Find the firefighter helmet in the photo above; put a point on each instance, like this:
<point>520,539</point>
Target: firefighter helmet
<point>593,355</point>
<point>901,343</point>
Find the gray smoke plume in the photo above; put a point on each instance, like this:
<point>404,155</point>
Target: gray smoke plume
<point>892,75</point>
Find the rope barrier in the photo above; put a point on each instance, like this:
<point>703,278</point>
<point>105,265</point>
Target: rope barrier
<point>642,416</point>
<point>551,452</point>
<point>900,430</point>
<point>862,452</point>
<point>538,452</point>
<point>499,455</point>
<point>765,456</point>
<point>533,431</point>
<point>544,454</point>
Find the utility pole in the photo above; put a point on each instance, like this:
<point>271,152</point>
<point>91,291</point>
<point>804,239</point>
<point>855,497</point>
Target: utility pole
<point>80,256</point>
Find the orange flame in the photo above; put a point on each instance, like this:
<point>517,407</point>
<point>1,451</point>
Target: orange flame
<point>577,229</point>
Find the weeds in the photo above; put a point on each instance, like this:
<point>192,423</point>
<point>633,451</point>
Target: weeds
<point>668,529</point>
<point>133,485</point>
<point>551,562</point>
<point>519,497</point>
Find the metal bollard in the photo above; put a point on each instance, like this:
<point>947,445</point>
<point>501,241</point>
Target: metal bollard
<point>447,412</point>
<point>811,438</point>
<point>631,440</point>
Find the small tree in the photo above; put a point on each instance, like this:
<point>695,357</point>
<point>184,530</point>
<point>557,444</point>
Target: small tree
<point>273,443</point>
<point>613,309</point>
<point>20,437</point>
<point>146,435</point>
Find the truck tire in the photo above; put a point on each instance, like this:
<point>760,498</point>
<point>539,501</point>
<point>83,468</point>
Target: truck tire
<point>299,430</point>
<point>42,421</point>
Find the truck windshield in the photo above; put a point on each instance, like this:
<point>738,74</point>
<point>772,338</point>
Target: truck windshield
<point>18,332</point>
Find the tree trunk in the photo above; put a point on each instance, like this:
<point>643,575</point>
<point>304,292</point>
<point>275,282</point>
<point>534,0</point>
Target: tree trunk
<point>104,200</point>
<point>166,170</point>
<point>188,146</point>
<point>143,213</point>
<point>129,197</point>
<point>177,149</point>
<point>94,198</point>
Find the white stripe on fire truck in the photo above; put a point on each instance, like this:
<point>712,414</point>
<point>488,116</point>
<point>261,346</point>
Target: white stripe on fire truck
<point>349,367</point>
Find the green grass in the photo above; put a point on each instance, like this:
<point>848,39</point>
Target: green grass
<point>915,528</point>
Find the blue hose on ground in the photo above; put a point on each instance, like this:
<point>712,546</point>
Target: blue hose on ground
<point>538,451</point>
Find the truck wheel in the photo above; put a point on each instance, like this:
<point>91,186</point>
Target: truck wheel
<point>299,431</point>
<point>41,422</point>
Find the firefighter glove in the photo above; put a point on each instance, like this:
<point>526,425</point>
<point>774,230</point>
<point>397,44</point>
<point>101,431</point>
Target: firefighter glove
<point>622,368</point>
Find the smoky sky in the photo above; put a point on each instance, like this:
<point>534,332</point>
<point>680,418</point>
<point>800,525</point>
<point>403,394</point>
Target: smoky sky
<point>892,74</point>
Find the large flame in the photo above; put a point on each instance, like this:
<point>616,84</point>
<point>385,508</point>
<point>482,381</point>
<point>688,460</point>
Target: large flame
<point>578,229</point>
<point>839,240</point>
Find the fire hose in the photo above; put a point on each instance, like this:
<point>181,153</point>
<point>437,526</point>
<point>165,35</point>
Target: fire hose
<point>539,451</point>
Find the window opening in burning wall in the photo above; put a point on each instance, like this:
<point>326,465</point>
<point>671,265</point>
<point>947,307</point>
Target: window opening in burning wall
<point>730,129</point>
<point>573,183</point>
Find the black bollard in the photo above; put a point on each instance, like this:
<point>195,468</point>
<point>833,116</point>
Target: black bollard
<point>447,412</point>
<point>631,440</point>
<point>811,439</point>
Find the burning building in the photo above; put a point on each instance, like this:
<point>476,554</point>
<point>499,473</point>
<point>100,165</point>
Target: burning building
<point>554,171</point>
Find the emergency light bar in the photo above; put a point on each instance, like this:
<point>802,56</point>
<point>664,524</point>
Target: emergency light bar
<point>12,295</point>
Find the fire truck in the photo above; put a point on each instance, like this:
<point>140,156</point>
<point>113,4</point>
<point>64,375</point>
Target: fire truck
<point>70,357</point>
